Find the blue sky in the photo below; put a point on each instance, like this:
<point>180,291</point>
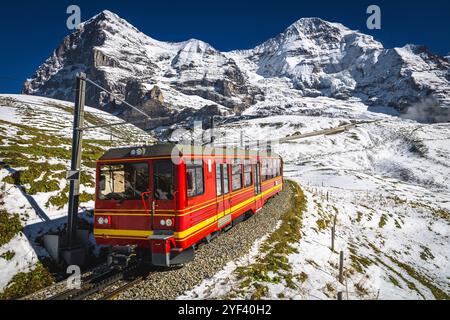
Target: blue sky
<point>31,30</point>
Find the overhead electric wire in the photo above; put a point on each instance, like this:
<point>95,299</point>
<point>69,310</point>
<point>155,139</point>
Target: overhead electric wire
<point>124,123</point>
<point>115,96</point>
<point>104,113</point>
<point>90,112</point>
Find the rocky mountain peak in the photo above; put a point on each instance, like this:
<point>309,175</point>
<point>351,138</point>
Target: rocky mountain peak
<point>105,18</point>
<point>315,26</point>
<point>317,57</point>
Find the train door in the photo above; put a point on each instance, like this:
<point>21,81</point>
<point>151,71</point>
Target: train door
<point>226,188</point>
<point>223,190</point>
<point>258,197</point>
<point>163,197</point>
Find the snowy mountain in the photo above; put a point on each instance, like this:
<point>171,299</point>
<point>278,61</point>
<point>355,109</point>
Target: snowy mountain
<point>328,59</point>
<point>311,58</point>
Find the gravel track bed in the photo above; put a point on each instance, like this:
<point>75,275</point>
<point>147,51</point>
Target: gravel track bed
<point>211,258</point>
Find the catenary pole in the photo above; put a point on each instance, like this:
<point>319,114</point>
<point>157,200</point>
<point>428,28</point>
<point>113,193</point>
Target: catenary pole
<point>74,174</point>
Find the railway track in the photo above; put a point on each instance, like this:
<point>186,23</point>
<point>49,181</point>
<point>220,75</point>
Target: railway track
<point>114,293</point>
<point>101,282</point>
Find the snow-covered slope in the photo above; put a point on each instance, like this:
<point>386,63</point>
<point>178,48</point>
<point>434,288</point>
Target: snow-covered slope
<point>35,136</point>
<point>387,184</point>
<point>314,57</point>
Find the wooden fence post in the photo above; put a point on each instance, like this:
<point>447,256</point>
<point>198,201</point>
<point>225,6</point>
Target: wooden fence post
<point>341,267</point>
<point>333,230</point>
<point>333,233</point>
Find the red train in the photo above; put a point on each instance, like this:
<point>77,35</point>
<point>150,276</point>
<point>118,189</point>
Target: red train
<point>159,201</point>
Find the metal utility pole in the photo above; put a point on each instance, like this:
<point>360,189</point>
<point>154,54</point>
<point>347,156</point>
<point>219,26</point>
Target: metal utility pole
<point>74,174</point>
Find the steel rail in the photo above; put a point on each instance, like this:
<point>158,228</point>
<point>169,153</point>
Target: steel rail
<point>97,284</point>
<point>113,294</point>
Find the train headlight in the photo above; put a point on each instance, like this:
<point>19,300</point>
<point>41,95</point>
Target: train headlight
<point>162,222</point>
<point>104,221</point>
<point>169,222</point>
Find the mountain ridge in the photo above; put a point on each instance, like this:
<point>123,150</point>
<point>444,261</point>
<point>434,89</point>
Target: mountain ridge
<point>319,58</point>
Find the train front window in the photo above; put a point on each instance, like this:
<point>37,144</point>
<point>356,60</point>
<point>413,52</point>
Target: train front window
<point>125,181</point>
<point>163,180</point>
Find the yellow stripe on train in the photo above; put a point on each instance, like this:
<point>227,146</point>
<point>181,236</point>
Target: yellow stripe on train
<point>181,235</point>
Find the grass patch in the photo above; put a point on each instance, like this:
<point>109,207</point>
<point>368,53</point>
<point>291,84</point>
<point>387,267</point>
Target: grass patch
<point>361,290</point>
<point>302,277</point>
<point>374,248</point>
<point>410,284</point>
<point>382,221</point>
<point>330,289</point>
<point>359,263</point>
<point>322,224</point>
<point>426,254</point>
<point>276,249</point>
<point>359,216</point>
<point>394,281</point>
<point>8,255</point>
<point>9,226</point>
<point>437,293</point>
<point>25,283</point>
<point>397,200</point>
<point>437,212</point>
<point>260,292</point>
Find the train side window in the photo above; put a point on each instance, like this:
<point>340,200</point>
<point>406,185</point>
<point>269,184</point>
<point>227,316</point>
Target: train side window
<point>236,175</point>
<point>277,168</point>
<point>248,178</point>
<point>222,175</point>
<point>219,180</point>
<point>226,180</point>
<point>163,180</point>
<point>195,178</point>
<point>273,168</point>
<point>263,169</point>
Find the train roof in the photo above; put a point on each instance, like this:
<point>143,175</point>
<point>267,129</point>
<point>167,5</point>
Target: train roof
<point>167,149</point>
